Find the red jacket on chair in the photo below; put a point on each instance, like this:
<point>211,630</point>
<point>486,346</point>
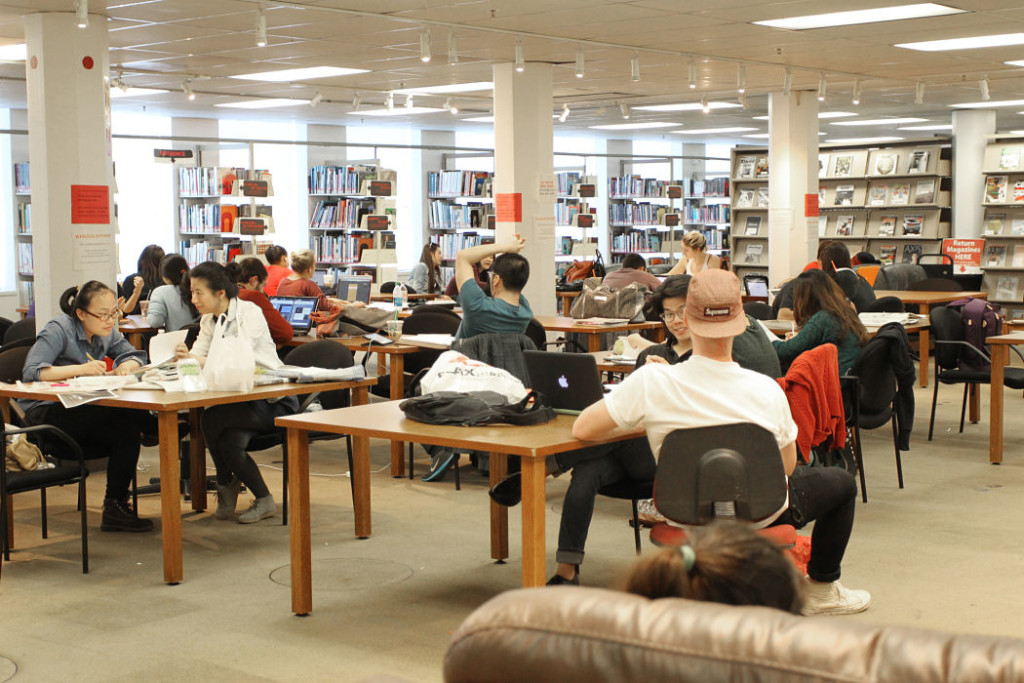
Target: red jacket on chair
<point>815,399</point>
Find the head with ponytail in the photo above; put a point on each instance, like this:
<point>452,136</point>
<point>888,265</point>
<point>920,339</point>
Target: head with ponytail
<point>93,305</point>
<point>174,271</point>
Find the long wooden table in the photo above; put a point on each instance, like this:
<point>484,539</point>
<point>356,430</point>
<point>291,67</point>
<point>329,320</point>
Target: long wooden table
<point>999,347</point>
<point>133,327</point>
<point>924,301</point>
<point>386,421</point>
<point>167,405</point>
<point>558,323</point>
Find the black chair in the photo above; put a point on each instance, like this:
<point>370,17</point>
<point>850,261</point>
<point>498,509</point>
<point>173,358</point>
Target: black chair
<point>886,304</point>
<point>389,287</point>
<point>758,309</point>
<point>899,276</point>
<point>23,329</point>
<point>948,332</point>
<point>942,269</point>
<point>24,342</point>
<point>935,284</point>
<point>4,326</point>
<point>322,354</point>
<point>539,336</point>
<point>634,491</point>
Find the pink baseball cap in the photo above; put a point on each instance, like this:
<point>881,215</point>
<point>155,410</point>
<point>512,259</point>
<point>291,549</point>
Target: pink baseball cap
<point>714,306</point>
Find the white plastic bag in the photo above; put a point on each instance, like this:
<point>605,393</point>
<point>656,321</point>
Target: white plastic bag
<point>453,371</point>
<point>230,363</point>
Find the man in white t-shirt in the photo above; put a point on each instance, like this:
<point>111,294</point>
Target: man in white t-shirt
<point>710,389</point>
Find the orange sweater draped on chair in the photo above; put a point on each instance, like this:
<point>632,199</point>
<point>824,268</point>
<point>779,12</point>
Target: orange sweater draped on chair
<point>815,399</point>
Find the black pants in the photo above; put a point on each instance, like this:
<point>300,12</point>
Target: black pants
<point>102,432</point>
<point>593,468</point>
<point>826,496</point>
<point>229,428</point>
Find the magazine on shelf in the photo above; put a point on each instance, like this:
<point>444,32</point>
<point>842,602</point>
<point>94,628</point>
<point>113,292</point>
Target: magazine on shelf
<point>745,167</point>
<point>912,224</point>
<point>877,195</point>
<point>844,166</point>
<point>886,162</point>
<point>911,252</point>
<point>1009,159</point>
<point>844,195</point>
<point>821,197</point>
<point>822,165</point>
<point>753,253</point>
<point>994,223</point>
<point>1017,226</point>
<point>918,161</point>
<point>1018,256</point>
<point>887,255</point>
<point>900,195</point>
<point>762,197</point>
<point>995,256</point>
<point>1006,288</point>
<point>822,224</point>
<point>753,226</point>
<point>844,226</point>
<point>1018,191</point>
<point>761,168</point>
<point>995,189</point>
<point>924,192</point>
<point>887,226</point>
<point>745,198</point>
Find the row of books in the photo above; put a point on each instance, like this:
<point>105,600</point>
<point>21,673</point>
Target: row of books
<point>997,190</point>
<point>751,198</point>
<point>999,256</point>
<point>636,241</point>
<point>566,212</point>
<point>22,182</point>
<point>448,216</point>
<point>636,214</point>
<point>198,251</point>
<point>339,179</point>
<point>910,224</point>
<point>716,239</point>
<point>635,186</point>
<point>345,249</point>
<point>24,218</point>
<point>883,162</point>
<point>340,214</point>
<point>708,187</point>
<point>208,181</point>
<point>26,292</point>
<point>453,243</point>
<point>459,183</point>
<point>749,167</point>
<point>568,181</point>
<point>711,213</point>
<point>25,264</point>
<point>206,217</point>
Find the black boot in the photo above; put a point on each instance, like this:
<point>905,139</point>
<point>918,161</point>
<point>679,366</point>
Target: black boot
<point>119,516</point>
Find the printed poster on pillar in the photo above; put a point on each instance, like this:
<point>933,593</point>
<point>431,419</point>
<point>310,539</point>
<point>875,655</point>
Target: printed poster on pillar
<point>92,244</point>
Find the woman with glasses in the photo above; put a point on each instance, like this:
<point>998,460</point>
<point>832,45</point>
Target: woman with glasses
<point>77,344</point>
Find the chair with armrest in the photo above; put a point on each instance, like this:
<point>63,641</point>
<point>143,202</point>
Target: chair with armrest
<point>22,329</point>
<point>886,304</point>
<point>5,324</point>
<point>321,354</point>
<point>758,309</point>
<point>948,332</point>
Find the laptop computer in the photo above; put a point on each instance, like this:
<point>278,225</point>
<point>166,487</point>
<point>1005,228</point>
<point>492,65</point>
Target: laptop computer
<point>353,287</point>
<point>297,310</point>
<point>569,381</point>
<point>756,285</point>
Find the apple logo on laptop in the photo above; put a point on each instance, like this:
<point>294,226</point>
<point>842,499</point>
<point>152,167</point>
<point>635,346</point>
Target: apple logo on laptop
<point>563,382</point>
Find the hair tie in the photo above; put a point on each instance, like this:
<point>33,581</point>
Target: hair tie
<point>689,557</point>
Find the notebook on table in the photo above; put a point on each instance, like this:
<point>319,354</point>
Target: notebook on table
<point>297,310</point>
<point>569,381</point>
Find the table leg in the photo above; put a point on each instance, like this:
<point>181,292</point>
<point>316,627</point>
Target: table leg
<point>499,513</point>
<point>995,408</point>
<point>397,393</point>
<point>534,551</point>
<point>135,339</point>
<point>974,403</point>
<point>170,503</point>
<point>923,341</point>
<point>298,527</point>
<point>197,459</point>
<point>593,342</point>
<point>5,409</point>
<point>361,473</point>
<point>566,305</point>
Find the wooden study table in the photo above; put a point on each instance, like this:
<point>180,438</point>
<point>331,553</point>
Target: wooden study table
<point>133,327</point>
<point>167,405</point>
<point>999,347</point>
<point>22,311</point>
<point>924,301</point>
<point>557,323</point>
<point>386,421</point>
<point>606,366</point>
<point>566,299</point>
<point>390,297</point>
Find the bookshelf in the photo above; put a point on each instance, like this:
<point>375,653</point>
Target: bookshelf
<point>576,221</point>
<point>706,207</point>
<point>352,219</point>
<point>640,213</point>
<point>892,201</point>
<point>1002,260</point>
<point>749,211</point>
<point>460,212</point>
<point>23,233</point>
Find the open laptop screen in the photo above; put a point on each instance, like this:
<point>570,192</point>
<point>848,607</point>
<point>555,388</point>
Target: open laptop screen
<point>297,310</point>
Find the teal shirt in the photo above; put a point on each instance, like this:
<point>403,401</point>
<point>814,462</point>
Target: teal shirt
<point>482,314</point>
<point>822,328</point>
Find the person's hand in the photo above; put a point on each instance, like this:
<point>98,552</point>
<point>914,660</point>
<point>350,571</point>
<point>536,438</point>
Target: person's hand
<point>120,306</point>
<point>138,282</point>
<point>92,368</point>
<point>181,352</point>
<point>514,246</point>
<point>652,359</point>
<point>127,367</point>
<point>790,335</point>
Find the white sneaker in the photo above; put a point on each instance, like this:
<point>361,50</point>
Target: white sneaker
<point>261,508</point>
<point>833,598</point>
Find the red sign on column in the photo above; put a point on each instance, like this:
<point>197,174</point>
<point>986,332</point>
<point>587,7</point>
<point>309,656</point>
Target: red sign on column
<point>509,207</point>
<point>811,206</point>
<point>90,204</point>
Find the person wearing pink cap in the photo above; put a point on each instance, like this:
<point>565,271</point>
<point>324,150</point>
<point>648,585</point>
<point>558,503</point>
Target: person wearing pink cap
<point>710,389</point>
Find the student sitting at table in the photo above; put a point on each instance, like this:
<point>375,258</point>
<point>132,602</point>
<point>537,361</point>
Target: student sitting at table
<point>506,310</point>
<point>251,277</point>
<point>823,316</point>
<point>277,268</point>
<point>170,305</point>
<point>300,282</point>
<point>834,259</point>
<point>76,344</point>
<point>228,428</point>
<point>425,277</point>
<point>481,273</point>
<point>139,286</point>
<point>634,269</point>
<point>696,258</point>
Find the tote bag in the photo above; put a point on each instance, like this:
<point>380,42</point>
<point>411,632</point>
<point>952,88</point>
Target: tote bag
<point>230,363</point>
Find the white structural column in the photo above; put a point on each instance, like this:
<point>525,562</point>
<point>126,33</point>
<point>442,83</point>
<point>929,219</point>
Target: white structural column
<point>70,155</point>
<point>970,128</point>
<point>524,173</point>
<point>793,172</point>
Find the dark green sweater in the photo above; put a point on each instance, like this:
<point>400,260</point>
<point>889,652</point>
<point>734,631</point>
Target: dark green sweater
<point>822,328</point>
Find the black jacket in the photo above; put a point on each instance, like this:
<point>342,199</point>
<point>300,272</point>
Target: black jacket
<point>902,359</point>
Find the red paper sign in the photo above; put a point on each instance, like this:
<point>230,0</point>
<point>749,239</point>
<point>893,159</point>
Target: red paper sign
<point>509,207</point>
<point>90,204</point>
<point>966,253</point>
<point>811,205</point>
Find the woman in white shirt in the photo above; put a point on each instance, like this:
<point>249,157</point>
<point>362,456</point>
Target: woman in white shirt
<point>170,305</point>
<point>425,277</point>
<point>695,256</point>
<point>228,428</point>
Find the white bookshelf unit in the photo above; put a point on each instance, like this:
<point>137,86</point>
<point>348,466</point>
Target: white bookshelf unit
<point>641,216</point>
<point>576,221</point>
<point>1002,261</point>
<point>460,212</point>
<point>23,233</point>
<point>749,211</point>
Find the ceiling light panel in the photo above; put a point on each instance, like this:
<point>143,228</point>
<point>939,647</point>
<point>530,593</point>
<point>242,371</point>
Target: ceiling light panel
<point>878,122</point>
<point>712,131</point>
<point>687,106</point>
<point>447,89</point>
<point>971,43</point>
<point>642,125</point>
<point>397,111</point>
<point>303,74</point>
<point>986,105</point>
<point>863,141</point>
<point>135,92</point>
<point>13,53</point>
<point>270,103</point>
<point>865,16</point>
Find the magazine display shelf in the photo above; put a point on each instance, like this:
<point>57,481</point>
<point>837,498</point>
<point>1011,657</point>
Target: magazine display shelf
<point>1002,260</point>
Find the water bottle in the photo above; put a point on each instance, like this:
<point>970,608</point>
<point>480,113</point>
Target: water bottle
<point>398,297</point>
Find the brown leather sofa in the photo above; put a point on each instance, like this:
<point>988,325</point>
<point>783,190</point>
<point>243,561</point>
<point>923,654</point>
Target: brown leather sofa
<point>592,634</point>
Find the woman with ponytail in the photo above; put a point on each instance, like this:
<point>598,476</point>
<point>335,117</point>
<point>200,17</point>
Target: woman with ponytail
<point>75,344</point>
<point>170,305</point>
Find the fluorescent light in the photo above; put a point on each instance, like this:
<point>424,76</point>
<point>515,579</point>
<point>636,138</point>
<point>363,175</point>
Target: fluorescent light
<point>402,111</point>
<point>712,131</point>
<point>81,13</point>
<point>822,89</point>
<point>998,40</point>
<point>17,52</point>
<point>878,122</point>
<point>693,75</point>
<point>520,59</point>
<point>636,126</point>
<point>757,136</point>
<point>1017,132</point>
<point>425,46</point>
<point>821,115</point>
<point>134,92</point>
<point>480,119</point>
<point>634,67</point>
<point>261,28</point>
<point>302,74</point>
<point>565,113</point>
<point>624,110</point>
<point>687,106</point>
<point>986,105</point>
<point>186,88</point>
<point>1017,62</point>
<point>317,99</point>
<point>944,126</point>
<point>447,89</point>
<point>263,104</point>
<point>856,92</point>
<point>579,62</point>
<point>864,16</point>
<point>741,79</point>
<point>862,141</point>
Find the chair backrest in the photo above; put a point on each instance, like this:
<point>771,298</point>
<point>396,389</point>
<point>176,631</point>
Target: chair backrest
<point>732,470</point>
<point>503,351</point>
<point>23,329</point>
<point>324,354</point>
<point>388,287</point>
<point>869,272</point>
<point>899,276</point>
<point>537,334</point>
<point>935,284</point>
<point>947,325</point>
<point>886,304</point>
<point>943,268</point>
<point>4,325</point>
<point>758,309</point>
<point>12,363</point>
<point>877,378</point>
<point>428,320</point>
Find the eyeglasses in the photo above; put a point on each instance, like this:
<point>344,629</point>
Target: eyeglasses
<point>105,317</point>
<point>669,316</point>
